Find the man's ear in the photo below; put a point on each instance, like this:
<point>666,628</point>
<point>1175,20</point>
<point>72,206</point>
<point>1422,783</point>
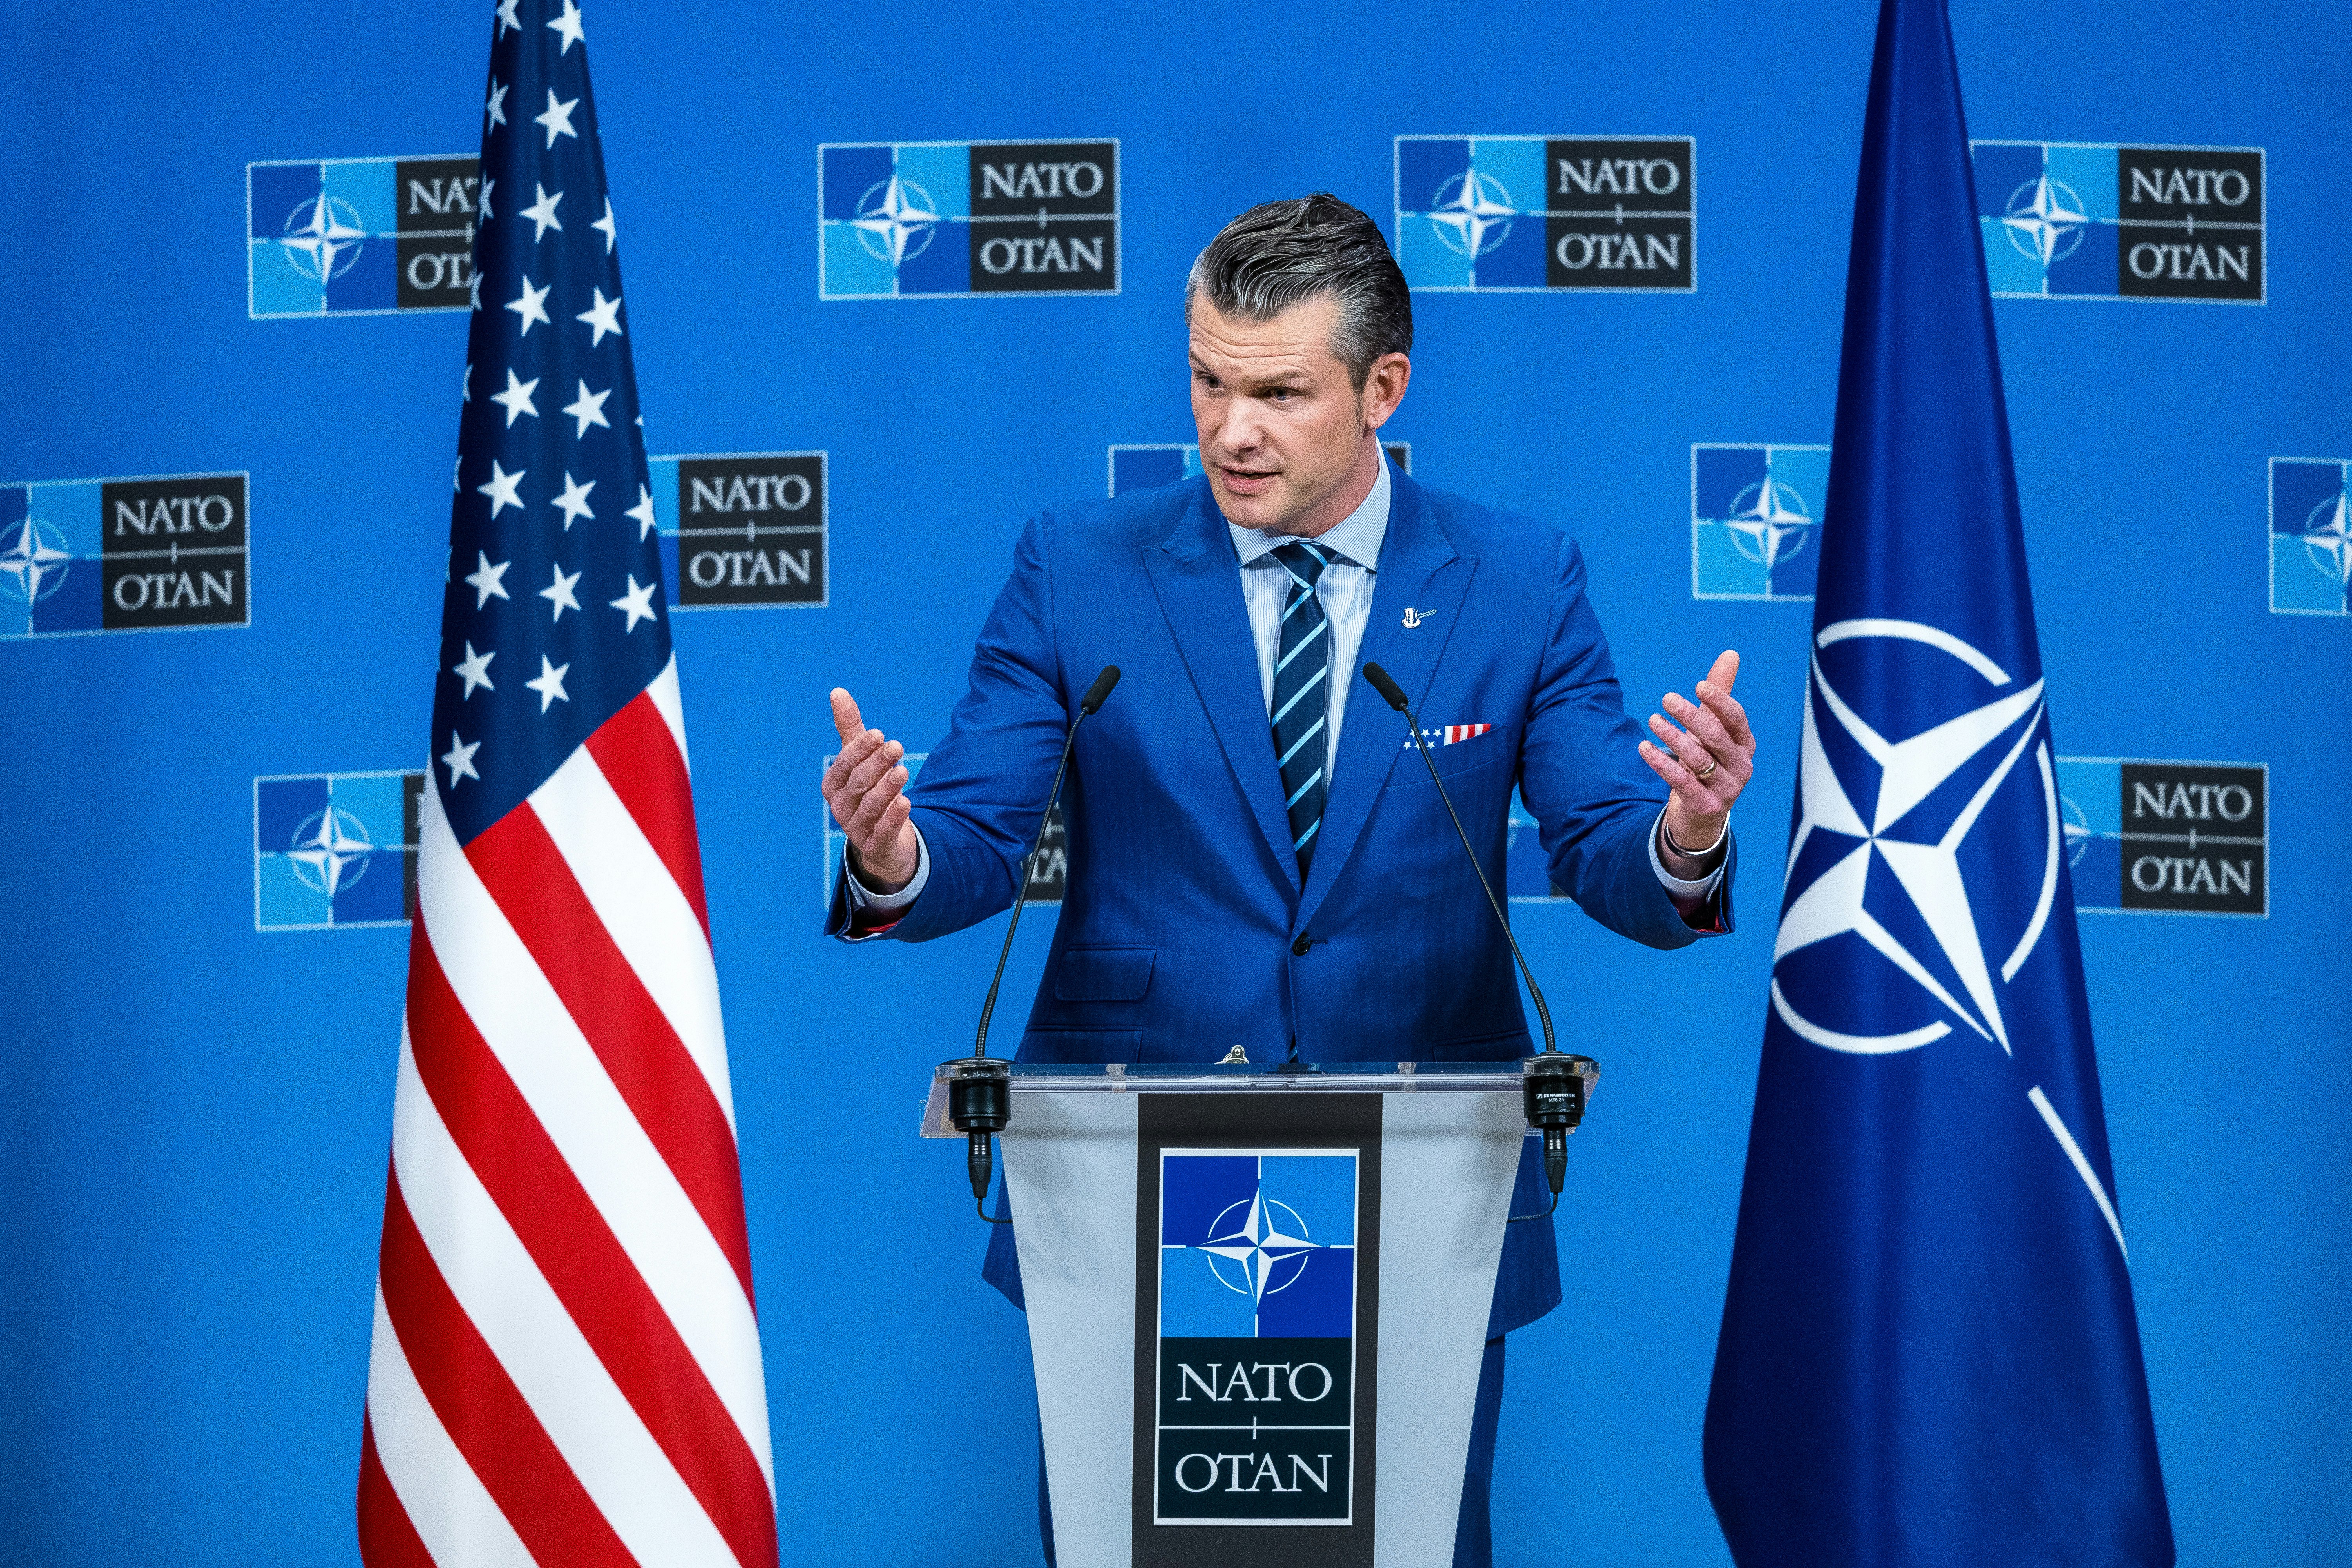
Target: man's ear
<point>1384,387</point>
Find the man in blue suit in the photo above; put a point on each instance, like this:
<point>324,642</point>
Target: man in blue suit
<point>1255,858</point>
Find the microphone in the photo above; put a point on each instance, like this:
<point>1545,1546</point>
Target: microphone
<point>980,1087</point>
<point>1555,1083</point>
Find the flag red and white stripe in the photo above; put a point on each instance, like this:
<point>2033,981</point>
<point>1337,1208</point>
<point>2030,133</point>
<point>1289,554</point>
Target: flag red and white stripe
<point>566,1368</point>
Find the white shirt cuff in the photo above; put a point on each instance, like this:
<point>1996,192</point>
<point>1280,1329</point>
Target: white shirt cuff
<point>1699,890</point>
<point>862,897</point>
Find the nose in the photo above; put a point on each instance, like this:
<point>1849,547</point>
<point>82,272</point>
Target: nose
<point>1239,432</point>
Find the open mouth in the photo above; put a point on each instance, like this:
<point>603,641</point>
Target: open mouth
<point>1247,481</point>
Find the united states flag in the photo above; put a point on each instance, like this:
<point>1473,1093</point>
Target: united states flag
<point>565,1367</point>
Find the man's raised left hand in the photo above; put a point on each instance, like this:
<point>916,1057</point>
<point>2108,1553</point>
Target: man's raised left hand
<point>1707,759</point>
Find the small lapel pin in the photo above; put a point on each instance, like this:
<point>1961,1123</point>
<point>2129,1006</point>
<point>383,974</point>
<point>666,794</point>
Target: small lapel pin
<point>1412,617</point>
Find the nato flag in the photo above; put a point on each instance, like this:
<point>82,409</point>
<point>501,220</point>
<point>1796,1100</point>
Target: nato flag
<point>1928,1353</point>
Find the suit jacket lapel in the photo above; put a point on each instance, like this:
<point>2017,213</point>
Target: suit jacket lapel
<point>1418,569</point>
<point>1199,584</point>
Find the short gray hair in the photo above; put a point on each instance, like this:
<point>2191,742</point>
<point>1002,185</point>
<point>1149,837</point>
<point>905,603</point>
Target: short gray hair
<point>1281,254</point>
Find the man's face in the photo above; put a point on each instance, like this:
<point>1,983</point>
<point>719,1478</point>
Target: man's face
<point>1282,429</point>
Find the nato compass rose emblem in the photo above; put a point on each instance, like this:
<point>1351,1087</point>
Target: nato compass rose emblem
<point>896,220</point>
<point>34,561</point>
<point>2076,827</point>
<point>1472,211</point>
<point>1257,1247</point>
<point>323,236</point>
<point>2326,534</point>
<point>1768,522</point>
<point>331,850</point>
<point>2045,219</point>
<point>1926,849</point>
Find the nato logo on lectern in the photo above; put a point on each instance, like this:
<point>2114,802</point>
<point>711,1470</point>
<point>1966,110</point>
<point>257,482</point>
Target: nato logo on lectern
<point>2097,221</point>
<point>331,850</point>
<point>2311,536</point>
<point>1755,512</point>
<point>359,236</point>
<point>953,219</point>
<point>742,529</point>
<point>1255,1412</point>
<point>2187,838</point>
<point>1488,212</point>
<point>119,555</point>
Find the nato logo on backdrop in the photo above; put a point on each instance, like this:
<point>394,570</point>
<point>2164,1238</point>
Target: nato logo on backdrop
<point>742,529</point>
<point>2097,221</point>
<point>2168,838</point>
<point>952,219</point>
<point>1255,1410</point>
<point>121,555</point>
<point>335,849</point>
<point>2311,536</point>
<point>1756,512</point>
<point>1488,212</point>
<point>359,236</point>
<point>1145,466</point>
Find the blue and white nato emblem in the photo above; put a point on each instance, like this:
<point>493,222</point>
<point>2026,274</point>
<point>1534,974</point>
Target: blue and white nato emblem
<point>742,529</point>
<point>1915,845</point>
<point>1255,1412</point>
<point>1145,466</point>
<point>361,236</point>
<point>1488,212</point>
<point>2167,838</point>
<point>2097,221</point>
<point>121,555</point>
<point>335,849</point>
<point>952,219</point>
<point>2311,536</point>
<point>1755,515</point>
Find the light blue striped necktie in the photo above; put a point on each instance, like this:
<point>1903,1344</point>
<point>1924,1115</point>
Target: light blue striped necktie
<point>1302,694</point>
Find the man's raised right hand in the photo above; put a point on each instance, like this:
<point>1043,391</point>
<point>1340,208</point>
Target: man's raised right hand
<point>864,789</point>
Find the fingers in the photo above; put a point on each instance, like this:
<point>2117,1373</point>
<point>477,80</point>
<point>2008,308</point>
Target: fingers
<point>867,785</point>
<point>1716,692</point>
<point>1679,778</point>
<point>1687,749</point>
<point>854,753</point>
<point>1708,727</point>
<point>869,809</point>
<point>846,717</point>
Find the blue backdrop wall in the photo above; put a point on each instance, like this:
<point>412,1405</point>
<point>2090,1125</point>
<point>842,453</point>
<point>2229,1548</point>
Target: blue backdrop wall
<point>195,1103</point>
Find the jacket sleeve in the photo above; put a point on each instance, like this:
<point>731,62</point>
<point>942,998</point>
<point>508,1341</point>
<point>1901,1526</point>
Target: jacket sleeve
<point>977,798</point>
<point>1593,798</point>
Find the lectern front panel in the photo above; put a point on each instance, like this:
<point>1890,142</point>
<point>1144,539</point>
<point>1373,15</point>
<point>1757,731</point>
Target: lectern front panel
<point>1256,1330</point>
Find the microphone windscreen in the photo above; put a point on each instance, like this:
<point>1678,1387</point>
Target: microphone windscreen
<point>1100,689</point>
<point>1389,691</point>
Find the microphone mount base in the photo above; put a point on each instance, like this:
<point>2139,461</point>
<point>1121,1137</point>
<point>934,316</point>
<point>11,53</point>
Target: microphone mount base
<point>980,1103</point>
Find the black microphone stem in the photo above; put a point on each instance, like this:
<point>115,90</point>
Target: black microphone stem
<point>1394,696</point>
<point>1549,1108</point>
<point>1093,700</point>
<point>1028,870</point>
<point>980,1097</point>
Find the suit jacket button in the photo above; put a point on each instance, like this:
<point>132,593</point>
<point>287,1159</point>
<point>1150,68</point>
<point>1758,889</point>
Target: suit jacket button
<point>1298,948</point>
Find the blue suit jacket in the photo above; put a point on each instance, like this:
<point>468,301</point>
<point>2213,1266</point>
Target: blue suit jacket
<point>1185,928</point>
